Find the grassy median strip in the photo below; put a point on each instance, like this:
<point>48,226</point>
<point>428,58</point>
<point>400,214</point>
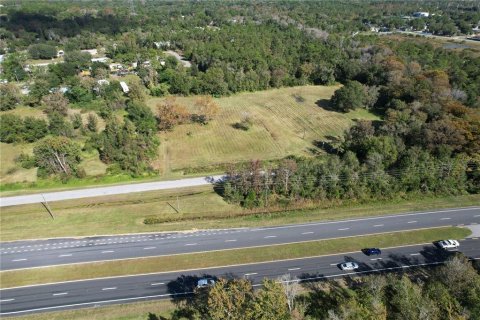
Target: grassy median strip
<point>24,277</point>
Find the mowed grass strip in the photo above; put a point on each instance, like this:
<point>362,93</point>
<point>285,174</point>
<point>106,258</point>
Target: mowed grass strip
<point>199,208</point>
<point>16,278</point>
<point>128,311</point>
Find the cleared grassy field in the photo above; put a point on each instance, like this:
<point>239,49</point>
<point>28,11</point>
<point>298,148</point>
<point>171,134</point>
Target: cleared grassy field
<point>198,208</point>
<point>286,121</point>
<point>16,278</point>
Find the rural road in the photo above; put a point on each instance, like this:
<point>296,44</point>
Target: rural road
<point>106,191</point>
<point>28,254</point>
<point>89,293</point>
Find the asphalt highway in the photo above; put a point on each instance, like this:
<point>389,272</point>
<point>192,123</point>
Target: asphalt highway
<point>28,254</point>
<point>106,191</point>
<point>175,285</point>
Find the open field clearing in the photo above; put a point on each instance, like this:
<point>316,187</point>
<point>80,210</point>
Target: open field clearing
<point>24,277</point>
<point>181,209</point>
<point>130,311</point>
<point>286,122</point>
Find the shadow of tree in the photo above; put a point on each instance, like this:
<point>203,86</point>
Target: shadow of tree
<point>325,104</point>
<point>183,287</point>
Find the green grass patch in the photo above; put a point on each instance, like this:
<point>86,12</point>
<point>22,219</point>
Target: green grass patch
<point>285,122</point>
<point>198,208</point>
<point>224,257</point>
<point>129,311</point>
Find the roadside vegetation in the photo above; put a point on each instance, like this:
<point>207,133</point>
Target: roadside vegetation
<point>189,209</point>
<point>14,278</point>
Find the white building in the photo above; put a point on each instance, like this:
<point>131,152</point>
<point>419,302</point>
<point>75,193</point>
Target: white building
<point>101,59</point>
<point>421,14</point>
<point>124,87</point>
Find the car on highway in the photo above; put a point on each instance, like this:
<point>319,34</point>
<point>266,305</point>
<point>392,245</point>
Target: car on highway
<point>372,251</point>
<point>348,266</point>
<point>448,244</point>
<point>205,282</point>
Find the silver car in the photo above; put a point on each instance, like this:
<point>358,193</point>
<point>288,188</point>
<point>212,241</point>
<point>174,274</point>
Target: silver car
<point>349,266</point>
<point>448,244</point>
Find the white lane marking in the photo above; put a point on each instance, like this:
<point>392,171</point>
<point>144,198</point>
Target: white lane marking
<point>366,219</point>
<point>476,216</point>
<point>60,294</point>
<point>191,244</point>
<point>373,259</point>
<point>310,232</point>
<point>65,255</point>
<point>185,293</point>
<point>333,264</point>
<point>412,221</point>
<point>108,251</point>
<point>232,240</point>
<point>293,269</point>
<point>250,274</point>
<point>157,284</point>
<point>269,237</point>
<point>343,229</point>
<point>6,300</point>
<point>445,218</point>
<point>17,260</point>
<point>149,248</point>
<point>415,254</point>
<point>111,288</point>
<point>378,225</point>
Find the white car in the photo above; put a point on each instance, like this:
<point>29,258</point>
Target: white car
<point>448,244</point>
<point>205,282</point>
<point>348,266</point>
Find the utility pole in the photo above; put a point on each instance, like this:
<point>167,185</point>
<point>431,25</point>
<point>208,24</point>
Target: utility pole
<point>45,204</point>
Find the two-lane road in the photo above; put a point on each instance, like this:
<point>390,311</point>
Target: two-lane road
<point>88,293</point>
<point>28,254</point>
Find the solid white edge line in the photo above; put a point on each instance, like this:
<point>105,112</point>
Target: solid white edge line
<point>214,267</point>
<point>6,300</point>
<point>185,293</point>
<point>96,302</point>
<point>254,229</point>
<point>18,260</point>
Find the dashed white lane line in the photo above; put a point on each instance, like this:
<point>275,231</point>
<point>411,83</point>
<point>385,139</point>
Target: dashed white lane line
<point>476,216</point>
<point>309,232</point>
<point>231,240</point>
<point>149,248</point>
<point>65,255</point>
<point>269,237</point>
<point>157,284</point>
<point>293,269</point>
<point>412,221</point>
<point>415,254</point>
<point>250,274</point>
<point>374,259</point>
<point>6,300</point>
<point>378,225</point>
<point>343,229</point>
<point>108,251</point>
<point>445,218</point>
<point>111,288</point>
<point>333,264</point>
<point>191,244</point>
<point>60,294</point>
<point>18,260</point>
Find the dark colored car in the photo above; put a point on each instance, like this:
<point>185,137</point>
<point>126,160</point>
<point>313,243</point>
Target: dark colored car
<point>372,251</point>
